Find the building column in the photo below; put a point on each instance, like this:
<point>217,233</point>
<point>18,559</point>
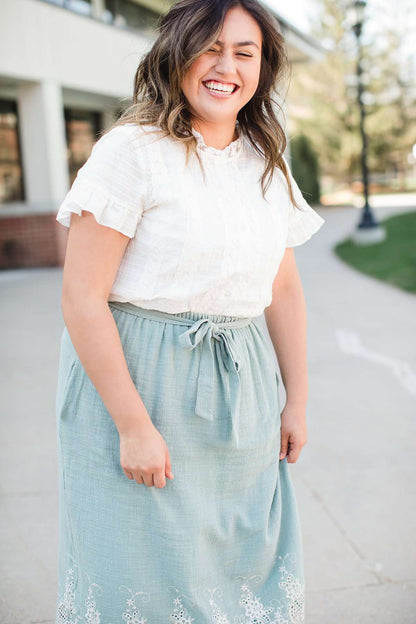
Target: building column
<point>97,9</point>
<point>44,149</point>
<point>45,167</point>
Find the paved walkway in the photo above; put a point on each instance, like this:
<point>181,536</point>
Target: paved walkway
<point>354,479</point>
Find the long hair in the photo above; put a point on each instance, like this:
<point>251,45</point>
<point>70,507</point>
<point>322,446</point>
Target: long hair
<point>188,29</point>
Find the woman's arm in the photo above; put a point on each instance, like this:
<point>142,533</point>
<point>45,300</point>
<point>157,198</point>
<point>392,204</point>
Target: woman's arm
<point>93,255</point>
<point>286,322</point>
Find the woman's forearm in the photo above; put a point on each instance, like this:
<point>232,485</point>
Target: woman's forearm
<point>95,337</point>
<point>286,322</point>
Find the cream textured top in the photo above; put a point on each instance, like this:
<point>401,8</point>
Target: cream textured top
<point>212,246</point>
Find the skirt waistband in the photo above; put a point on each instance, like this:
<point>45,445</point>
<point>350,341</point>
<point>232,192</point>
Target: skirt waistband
<point>202,331</point>
<point>182,318</point>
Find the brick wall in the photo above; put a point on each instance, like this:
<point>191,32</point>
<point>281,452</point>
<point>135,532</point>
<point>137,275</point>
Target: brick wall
<point>31,241</point>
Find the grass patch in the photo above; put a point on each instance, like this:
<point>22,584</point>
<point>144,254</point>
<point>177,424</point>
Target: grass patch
<point>393,260</point>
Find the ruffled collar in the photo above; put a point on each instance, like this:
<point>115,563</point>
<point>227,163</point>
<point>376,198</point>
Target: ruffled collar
<point>230,151</point>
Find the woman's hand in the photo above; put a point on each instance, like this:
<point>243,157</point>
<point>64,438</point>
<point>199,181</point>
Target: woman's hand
<point>293,433</point>
<point>144,455</point>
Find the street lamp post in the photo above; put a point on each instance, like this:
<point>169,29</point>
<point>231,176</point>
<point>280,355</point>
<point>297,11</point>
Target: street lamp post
<point>369,230</point>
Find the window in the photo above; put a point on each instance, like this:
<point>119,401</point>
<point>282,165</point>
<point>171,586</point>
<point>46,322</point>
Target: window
<point>11,177</point>
<point>127,13</point>
<point>78,6</point>
<point>82,128</point>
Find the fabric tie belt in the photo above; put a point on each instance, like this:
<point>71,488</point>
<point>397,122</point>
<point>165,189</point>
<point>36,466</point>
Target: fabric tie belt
<point>204,330</point>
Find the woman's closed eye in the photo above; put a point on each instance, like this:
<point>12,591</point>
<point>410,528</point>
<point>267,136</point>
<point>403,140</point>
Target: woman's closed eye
<point>238,53</point>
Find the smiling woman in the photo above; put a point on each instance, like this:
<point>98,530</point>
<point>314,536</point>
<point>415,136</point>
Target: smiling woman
<point>175,505</point>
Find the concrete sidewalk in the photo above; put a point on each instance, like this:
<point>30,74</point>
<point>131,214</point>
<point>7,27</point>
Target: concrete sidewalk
<point>355,478</point>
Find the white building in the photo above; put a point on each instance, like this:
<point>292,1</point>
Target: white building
<point>66,71</point>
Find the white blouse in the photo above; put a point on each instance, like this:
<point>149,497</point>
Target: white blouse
<point>212,246</point>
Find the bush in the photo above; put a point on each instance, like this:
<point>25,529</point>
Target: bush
<point>305,168</point>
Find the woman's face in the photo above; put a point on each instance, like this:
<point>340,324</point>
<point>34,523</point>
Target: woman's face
<point>223,79</point>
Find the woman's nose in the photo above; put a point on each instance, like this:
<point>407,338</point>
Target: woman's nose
<point>225,64</point>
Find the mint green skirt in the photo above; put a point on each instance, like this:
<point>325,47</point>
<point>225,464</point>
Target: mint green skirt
<point>221,542</point>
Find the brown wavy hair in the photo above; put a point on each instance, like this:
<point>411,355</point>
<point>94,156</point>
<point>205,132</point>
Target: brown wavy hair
<point>188,29</point>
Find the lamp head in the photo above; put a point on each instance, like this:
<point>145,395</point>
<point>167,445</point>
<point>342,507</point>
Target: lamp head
<point>355,12</point>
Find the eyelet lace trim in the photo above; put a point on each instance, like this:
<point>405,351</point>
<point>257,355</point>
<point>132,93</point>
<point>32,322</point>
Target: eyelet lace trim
<point>233,149</point>
<point>289,610</point>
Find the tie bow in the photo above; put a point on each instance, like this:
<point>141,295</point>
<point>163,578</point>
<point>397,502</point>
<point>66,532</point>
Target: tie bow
<point>204,331</point>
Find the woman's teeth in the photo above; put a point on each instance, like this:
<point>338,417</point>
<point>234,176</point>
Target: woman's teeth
<point>219,86</point>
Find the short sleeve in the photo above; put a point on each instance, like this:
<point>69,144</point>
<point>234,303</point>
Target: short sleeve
<point>110,185</point>
<point>304,222</point>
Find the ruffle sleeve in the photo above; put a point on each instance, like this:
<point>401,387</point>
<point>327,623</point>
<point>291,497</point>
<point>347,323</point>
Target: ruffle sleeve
<point>303,222</point>
<point>111,184</point>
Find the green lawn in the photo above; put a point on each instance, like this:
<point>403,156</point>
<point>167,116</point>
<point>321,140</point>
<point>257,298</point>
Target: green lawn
<point>393,260</point>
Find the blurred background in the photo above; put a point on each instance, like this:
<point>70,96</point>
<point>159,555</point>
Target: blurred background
<point>349,111</point>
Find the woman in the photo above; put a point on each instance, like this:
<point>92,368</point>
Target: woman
<point>174,505</point>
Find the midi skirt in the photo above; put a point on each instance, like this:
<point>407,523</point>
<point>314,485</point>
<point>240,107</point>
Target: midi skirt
<point>221,542</point>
